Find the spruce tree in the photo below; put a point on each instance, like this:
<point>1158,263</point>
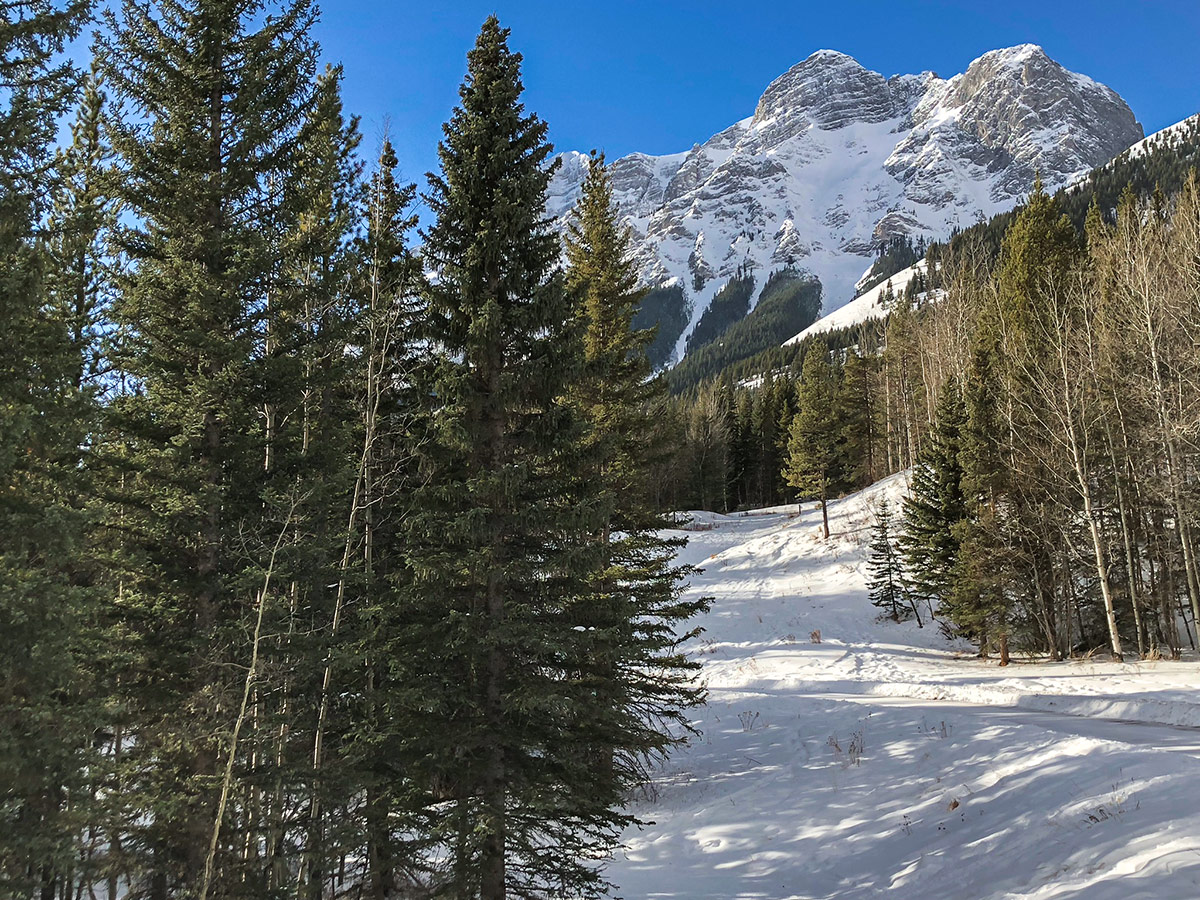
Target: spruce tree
<point>857,417</point>
<point>885,587</point>
<point>741,446</point>
<point>45,610</point>
<point>707,448</point>
<point>983,583</point>
<point>783,434</point>
<point>764,419</point>
<point>310,368</point>
<point>637,682</point>
<point>80,225</point>
<point>386,288</point>
<point>211,101</point>
<point>935,506</point>
<point>1039,248</point>
<point>501,541</point>
<point>812,457</point>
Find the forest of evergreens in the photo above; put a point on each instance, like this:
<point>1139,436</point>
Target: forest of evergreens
<point>332,555</point>
<point>788,303</point>
<point>327,567</point>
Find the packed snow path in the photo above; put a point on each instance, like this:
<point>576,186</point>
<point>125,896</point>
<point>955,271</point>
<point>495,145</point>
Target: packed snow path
<point>883,760</point>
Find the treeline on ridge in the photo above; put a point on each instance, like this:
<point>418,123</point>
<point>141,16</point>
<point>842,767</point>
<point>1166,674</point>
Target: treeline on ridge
<point>789,303</point>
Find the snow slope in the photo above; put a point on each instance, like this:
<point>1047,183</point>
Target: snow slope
<point>882,760</point>
<point>1180,130</point>
<point>868,306</point>
<point>864,308</point>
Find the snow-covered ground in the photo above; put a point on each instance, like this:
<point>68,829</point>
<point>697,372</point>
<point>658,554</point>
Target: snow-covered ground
<point>884,760</point>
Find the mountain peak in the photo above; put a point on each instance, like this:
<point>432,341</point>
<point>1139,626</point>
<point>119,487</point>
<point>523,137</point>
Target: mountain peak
<point>1018,52</point>
<point>1024,62</point>
<point>838,159</point>
<point>828,89</point>
<point>827,57</point>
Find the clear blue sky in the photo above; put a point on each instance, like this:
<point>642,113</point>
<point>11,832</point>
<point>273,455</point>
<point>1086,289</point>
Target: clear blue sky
<point>623,75</point>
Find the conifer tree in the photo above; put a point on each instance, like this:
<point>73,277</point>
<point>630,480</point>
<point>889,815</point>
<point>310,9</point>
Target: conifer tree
<point>858,423</point>
<point>764,419</point>
<point>809,468</point>
<point>977,603</point>
<point>741,444</point>
<point>80,223</point>
<point>707,446</point>
<point>783,434</point>
<point>44,610</point>
<point>638,681</point>
<point>1040,246</point>
<point>311,428</point>
<point>935,505</point>
<point>614,391</point>
<point>387,287</point>
<point>1048,311</point>
<point>885,588</point>
<point>211,100</point>
<point>501,542</point>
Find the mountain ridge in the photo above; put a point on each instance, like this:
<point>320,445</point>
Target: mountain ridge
<point>836,158</point>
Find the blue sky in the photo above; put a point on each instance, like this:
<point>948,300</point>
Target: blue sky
<point>622,75</point>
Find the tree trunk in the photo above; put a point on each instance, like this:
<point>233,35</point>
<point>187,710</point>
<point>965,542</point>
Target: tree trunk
<point>1098,551</point>
<point>492,859</point>
<point>381,870</point>
<point>1127,543</point>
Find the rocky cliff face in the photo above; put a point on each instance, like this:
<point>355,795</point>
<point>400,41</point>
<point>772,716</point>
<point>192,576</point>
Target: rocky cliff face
<point>837,158</point>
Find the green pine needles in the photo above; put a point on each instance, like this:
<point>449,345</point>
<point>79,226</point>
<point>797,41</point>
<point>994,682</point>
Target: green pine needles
<point>885,587</point>
<point>325,567</point>
<point>542,602</point>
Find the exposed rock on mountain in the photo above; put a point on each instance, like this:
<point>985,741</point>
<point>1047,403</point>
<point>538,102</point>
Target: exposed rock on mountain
<point>837,158</point>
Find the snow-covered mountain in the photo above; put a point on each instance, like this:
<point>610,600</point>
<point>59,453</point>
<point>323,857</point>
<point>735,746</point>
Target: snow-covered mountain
<point>837,158</point>
<point>1172,134</point>
<point>869,305</point>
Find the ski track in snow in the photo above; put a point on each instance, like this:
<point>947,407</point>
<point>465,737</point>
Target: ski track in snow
<point>885,760</point>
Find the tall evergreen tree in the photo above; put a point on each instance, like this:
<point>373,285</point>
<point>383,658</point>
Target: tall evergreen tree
<point>707,447</point>
<point>310,413</point>
<point>783,433</point>
<point>636,680</point>
<point>978,604</point>
<point>811,461</point>
<point>741,450</point>
<point>387,287</point>
<point>213,97</point>
<point>44,610</point>
<point>858,423</point>
<point>935,505</point>
<point>501,542</point>
<point>764,419</point>
<point>80,225</point>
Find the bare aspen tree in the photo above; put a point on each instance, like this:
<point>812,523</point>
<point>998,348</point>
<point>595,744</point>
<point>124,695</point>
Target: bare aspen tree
<point>1140,248</point>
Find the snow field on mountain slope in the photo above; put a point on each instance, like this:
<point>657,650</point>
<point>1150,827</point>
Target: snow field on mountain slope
<point>863,308</point>
<point>884,760</point>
